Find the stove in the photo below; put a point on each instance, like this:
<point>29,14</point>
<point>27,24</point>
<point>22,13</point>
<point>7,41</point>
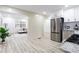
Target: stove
<point>73,39</point>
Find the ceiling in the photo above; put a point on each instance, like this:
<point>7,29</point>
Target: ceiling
<point>39,8</point>
<point>49,9</point>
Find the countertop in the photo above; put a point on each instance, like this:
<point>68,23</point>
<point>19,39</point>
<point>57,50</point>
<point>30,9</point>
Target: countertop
<point>74,31</point>
<point>68,30</point>
<point>70,47</point>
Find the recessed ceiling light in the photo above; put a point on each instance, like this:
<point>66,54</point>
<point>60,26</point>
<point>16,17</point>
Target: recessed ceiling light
<point>66,5</point>
<point>23,20</point>
<point>9,10</point>
<point>44,13</point>
<point>37,15</point>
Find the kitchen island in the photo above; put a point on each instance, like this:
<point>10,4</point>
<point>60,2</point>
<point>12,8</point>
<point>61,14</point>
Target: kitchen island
<point>67,34</point>
<point>71,44</point>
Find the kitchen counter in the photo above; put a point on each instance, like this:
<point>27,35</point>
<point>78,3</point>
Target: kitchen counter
<point>70,47</point>
<point>71,44</point>
<point>68,30</point>
<point>76,32</point>
<point>67,34</point>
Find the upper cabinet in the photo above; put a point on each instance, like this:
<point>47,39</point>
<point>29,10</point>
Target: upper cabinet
<point>68,15</point>
<point>76,14</point>
<point>60,13</point>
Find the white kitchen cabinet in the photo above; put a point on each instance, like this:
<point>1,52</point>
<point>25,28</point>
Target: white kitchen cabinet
<point>76,14</point>
<point>60,13</point>
<point>69,15</point>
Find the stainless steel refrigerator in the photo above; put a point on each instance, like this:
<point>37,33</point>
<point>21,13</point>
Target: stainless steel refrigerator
<point>57,29</point>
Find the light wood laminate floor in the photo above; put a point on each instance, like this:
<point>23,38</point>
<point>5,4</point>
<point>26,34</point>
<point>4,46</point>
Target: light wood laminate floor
<point>19,43</point>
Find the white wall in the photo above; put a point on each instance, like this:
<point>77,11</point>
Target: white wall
<point>47,26</point>
<point>36,26</point>
<point>10,24</point>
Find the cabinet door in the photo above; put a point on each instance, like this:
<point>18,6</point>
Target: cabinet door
<point>76,14</point>
<point>69,15</point>
<point>60,13</point>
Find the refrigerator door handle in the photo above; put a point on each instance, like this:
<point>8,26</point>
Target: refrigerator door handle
<point>54,26</point>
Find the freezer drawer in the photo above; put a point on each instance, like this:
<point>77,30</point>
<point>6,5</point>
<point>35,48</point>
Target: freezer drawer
<point>55,37</point>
